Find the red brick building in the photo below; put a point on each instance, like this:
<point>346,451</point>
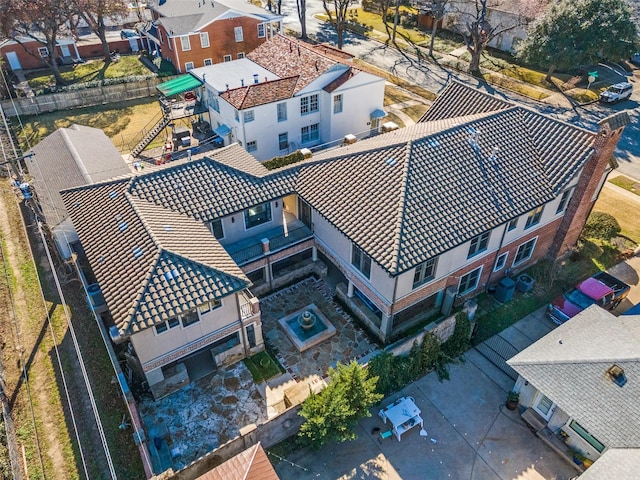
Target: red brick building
<point>194,35</point>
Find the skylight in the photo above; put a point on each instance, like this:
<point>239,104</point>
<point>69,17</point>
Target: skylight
<point>390,161</point>
<point>113,194</point>
<point>123,226</point>
<point>137,252</point>
<point>168,228</point>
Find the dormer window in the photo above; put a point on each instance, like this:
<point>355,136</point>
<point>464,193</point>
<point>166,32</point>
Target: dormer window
<point>617,375</point>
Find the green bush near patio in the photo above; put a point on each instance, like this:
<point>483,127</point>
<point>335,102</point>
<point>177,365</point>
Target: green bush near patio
<point>263,366</point>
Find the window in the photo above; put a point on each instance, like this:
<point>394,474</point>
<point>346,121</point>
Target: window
<point>361,261</point>
<point>169,324</point>
<point>337,103</point>
<point>215,104</point>
<point>226,58</point>
<point>257,215</point>
<point>309,104</point>
<point>310,133</point>
<point>189,318</point>
<point>209,306</point>
<point>251,335</point>
<point>500,261</point>
<point>215,227</point>
<point>524,251</point>
<point>240,55</point>
<point>283,141</point>
<point>261,30</point>
<point>248,116</point>
<point>204,40</point>
<point>470,281</point>
<point>562,206</point>
<point>590,439</point>
<point>43,51</point>
<point>188,66</point>
<point>208,62</point>
<point>252,146</point>
<point>237,115</point>
<point>186,43</point>
<point>534,217</point>
<point>282,111</point>
<point>478,244</point>
<point>237,31</point>
<point>512,225</point>
<point>425,272</point>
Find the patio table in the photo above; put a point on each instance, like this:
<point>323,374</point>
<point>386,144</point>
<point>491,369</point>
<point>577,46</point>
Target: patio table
<point>404,416</point>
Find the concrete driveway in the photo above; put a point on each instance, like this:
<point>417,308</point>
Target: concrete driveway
<point>470,436</point>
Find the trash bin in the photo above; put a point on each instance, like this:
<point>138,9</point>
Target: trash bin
<point>505,289</point>
<point>525,283</point>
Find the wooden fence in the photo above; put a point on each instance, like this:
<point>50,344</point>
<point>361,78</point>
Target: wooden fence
<point>86,97</point>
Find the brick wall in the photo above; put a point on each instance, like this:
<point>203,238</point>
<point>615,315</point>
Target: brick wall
<point>581,203</point>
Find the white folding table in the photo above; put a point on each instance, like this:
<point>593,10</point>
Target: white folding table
<point>403,416</point>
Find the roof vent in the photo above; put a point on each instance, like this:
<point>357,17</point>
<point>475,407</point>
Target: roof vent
<point>617,375</point>
<point>113,194</point>
<point>494,154</point>
<point>171,274</point>
<point>434,143</point>
<point>168,228</point>
<point>255,78</point>
<point>242,82</point>
<point>123,226</point>
<point>227,86</point>
<point>137,252</point>
<point>473,137</point>
<point>390,161</point>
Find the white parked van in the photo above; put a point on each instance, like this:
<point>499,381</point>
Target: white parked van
<point>616,93</point>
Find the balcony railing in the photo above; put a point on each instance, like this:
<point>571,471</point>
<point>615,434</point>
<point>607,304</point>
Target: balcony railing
<point>278,238</point>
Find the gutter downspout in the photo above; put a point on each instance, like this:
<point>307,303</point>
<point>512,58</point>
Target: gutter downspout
<point>495,258</point>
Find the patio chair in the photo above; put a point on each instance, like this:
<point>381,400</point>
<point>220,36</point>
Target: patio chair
<point>386,434</point>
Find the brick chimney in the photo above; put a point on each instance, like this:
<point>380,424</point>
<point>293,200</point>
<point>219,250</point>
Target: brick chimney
<point>581,203</point>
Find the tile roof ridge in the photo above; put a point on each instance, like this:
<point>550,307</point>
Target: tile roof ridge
<point>74,154</point>
<point>104,183</point>
<point>399,229</point>
<point>133,309</point>
<point>577,361</point>
<point>204,265</point>
<point>135,201</point>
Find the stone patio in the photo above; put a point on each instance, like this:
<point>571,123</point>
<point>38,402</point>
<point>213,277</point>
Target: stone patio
<point>349,342</point>
<point>211,411</point>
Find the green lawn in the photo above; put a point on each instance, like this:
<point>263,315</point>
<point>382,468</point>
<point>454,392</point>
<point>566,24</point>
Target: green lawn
<point>263,366</point>
<point>121,121</point>
<point>128,65</point>
<point>626,183</point>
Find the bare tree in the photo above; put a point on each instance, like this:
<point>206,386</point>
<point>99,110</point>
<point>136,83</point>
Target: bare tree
<point>338,17</point>
<point>95,12</point>
<point>39,21</point>
<point>474,26</point>
<point>301,5</point>
<point>437,9</point>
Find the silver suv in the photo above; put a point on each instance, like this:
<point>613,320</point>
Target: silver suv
<point>616,93</point>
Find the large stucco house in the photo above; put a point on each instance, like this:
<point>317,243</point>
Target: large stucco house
<point>193,34</point>
<point>288,95</point>
<point>407,220</point>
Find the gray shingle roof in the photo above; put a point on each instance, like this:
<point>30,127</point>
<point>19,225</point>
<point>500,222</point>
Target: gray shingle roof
<point>151,263</point>
<point>615,463</point>
<point>569,365</point>
<point>70,157</point>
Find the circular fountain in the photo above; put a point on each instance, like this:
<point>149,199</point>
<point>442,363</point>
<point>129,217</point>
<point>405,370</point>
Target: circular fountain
<point>307,320</point>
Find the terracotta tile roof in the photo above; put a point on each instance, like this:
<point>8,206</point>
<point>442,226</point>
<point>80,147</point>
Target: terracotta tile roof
<point>331,51</point>
<point>458,100</point>
<point>150,262</point>
<point>287,57</point>
<point>261,93</point>
<point>346,76</point>
<point>251,464</point>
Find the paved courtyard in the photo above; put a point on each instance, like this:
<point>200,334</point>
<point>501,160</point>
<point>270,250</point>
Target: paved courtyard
<point>211,411</point>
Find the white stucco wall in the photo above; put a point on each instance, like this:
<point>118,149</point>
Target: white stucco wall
<point>236,230</point>
<point>149,344</point>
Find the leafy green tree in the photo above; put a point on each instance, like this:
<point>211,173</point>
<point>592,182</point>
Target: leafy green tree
<point>458,342</point>
<point>572,33</point>
<point>332,414</point>
<point>602,226</point>
<point>383,367</point>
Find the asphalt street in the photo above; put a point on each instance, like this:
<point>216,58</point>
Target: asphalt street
<point>434,77</point>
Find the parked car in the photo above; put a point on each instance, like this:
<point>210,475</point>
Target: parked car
<point>602,289</point>
<point>615,93</point>
<point>635,59</point>
<point>128,33</point>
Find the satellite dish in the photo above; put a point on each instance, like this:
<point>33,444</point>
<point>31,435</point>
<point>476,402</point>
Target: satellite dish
<point>591,79</point>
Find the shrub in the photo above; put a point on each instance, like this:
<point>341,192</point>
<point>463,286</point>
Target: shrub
<point>458,342</point>
<point>601,226</point>
<point>279,162</point>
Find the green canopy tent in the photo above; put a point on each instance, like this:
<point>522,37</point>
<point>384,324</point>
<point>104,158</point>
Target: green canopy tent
<point>180,84</point>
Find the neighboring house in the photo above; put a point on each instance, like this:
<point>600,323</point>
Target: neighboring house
<point>251,464</point>
<point>407,221</point>
<point>583,379</point>
<point>192,34</point>
<point>288,95</point>
<point>26,53</point>
<point>70,157</point>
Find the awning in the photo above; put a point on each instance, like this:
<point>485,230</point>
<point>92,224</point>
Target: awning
<point>377,113</point>
<point>179,85</point>
<point>222,131</point>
